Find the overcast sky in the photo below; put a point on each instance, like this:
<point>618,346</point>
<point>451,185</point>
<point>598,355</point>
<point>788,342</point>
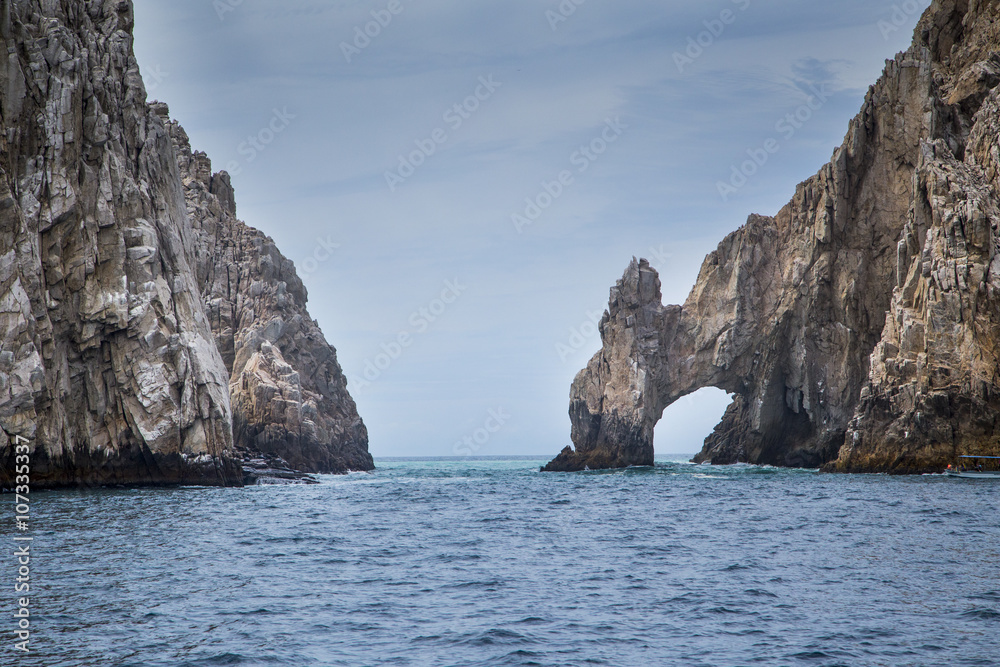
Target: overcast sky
<point>349,150</point>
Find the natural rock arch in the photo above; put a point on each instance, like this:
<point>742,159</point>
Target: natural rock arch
<point>857,328</point>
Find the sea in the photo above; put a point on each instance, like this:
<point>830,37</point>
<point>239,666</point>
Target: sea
<point>490,562</point>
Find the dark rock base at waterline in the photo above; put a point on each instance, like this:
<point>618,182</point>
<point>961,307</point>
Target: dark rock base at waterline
<point>135,467</point>
<point>570,460</point>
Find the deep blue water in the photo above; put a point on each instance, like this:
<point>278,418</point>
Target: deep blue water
<point>493,563</point>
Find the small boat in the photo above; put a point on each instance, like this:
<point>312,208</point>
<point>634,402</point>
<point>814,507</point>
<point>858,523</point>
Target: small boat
<point>971,467</point>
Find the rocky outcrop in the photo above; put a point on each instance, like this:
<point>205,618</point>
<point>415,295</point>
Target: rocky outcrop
<point>109,367</point>
<point>857,328</point>
<point>289,394</point>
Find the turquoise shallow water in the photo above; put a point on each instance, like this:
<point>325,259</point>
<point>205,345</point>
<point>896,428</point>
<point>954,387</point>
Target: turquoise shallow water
<point>493,563</point>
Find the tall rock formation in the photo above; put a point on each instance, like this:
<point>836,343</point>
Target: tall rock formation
<point>289,394</point>
<point>857,328</point>
<point>109,367</point>
<point>107,364</point>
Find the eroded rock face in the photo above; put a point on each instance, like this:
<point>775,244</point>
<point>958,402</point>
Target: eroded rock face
<point>857,328</point>
<point>108,365</point>
<point>120,254</point>
<point>289,394</point>
<point>613,418</point>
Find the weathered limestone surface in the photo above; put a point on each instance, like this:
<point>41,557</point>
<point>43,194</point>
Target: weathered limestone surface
<point>115,263</point>
<point>857,328</point>
<point>107,362</point>
<point>289,394</point>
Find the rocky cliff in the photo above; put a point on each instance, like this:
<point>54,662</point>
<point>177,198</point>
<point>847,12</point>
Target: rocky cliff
<point>109,366</point>
<point>289,394</point>
<point>857,328</point>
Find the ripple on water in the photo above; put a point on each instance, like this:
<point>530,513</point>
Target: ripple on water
<point>494,563</point>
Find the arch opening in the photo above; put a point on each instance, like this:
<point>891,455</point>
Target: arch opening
<point>684,424</point>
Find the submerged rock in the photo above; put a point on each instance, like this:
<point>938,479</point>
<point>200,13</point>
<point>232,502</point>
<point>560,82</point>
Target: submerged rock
<point>857,329</point>
<point>270,469</point>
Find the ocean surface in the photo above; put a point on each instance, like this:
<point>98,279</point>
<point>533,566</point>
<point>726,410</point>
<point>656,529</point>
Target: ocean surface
<point>489,562</point>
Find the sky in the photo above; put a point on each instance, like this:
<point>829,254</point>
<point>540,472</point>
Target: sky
<point>460,182</point>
